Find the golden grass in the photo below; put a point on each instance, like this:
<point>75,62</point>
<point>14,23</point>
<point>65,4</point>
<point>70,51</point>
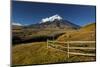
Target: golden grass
<point>86,33</point>
<point>38,53</point>
<point>89,27</point>
<point>78,36</point>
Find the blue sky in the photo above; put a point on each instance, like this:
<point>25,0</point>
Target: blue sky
<point>33,12</point>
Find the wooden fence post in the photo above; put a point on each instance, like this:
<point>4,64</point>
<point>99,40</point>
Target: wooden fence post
<point>47,43</point>
<point>68,49</point>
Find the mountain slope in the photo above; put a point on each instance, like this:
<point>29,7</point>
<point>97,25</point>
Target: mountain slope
<point>86,33</point>
<point>56,24</point>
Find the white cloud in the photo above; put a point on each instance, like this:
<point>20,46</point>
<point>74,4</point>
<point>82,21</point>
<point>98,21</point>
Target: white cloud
<point>18,24</point>
<point>52,18</point>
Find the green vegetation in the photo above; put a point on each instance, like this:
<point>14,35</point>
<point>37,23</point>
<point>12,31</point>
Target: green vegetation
<point>34,38</point>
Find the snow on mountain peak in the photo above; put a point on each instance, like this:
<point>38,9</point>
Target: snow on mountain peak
<point>52,18</point>
<point>18,24</point>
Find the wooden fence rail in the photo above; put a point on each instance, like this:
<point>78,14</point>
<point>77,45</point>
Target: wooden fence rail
<point>72,42</point>
<point>53,43</point>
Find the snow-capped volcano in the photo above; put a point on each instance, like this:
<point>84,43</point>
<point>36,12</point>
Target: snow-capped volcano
<point>55,21</point>
<point>52,18</point>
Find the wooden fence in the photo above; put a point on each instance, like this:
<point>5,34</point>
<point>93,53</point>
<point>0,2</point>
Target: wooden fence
<point>54,44</point>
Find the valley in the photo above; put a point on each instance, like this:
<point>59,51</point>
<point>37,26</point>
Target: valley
<point>30,46</point>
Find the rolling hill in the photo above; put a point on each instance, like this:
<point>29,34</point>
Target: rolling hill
<point>89,27</point>
<point>85,33</point>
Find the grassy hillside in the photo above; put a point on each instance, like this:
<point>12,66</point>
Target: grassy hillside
<point>78,36</point>
<point>86,33</point>
<point>89,27</point>
<point>38,53</point>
